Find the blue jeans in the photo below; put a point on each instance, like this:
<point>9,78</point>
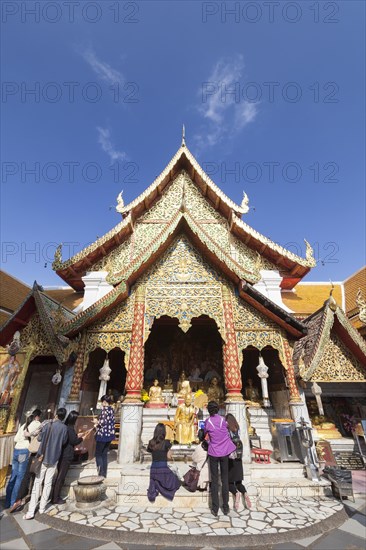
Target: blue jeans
<point>18,469</point>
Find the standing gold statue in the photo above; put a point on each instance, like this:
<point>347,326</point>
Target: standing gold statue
<point>184,422</point>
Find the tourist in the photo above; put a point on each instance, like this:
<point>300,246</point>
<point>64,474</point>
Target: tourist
<point>219,448</point>
<point>236,474</point>
<point>52,437</point>
<point>200,461</point>
<point>104,426</point>
<point>19,463</point>
<point>162,479</point>
<point>31,432</point>
<point>67,456</point>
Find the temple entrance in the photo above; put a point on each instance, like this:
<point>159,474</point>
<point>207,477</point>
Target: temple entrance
<point>170,351</point>
<point>38,389</point>
<point>91,383</point>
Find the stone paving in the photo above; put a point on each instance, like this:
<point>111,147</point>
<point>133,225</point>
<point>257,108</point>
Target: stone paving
<point>278,516</point>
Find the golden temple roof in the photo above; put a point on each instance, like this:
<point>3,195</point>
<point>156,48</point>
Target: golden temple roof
<point>306,298</point>
<point>292,267</point>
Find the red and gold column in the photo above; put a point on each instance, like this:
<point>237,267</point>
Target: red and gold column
<point>135,374</point>
<point>290,374</point>
<point>232,366</point>
<point>78,371</point>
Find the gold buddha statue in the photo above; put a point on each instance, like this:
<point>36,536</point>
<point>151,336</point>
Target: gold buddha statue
<point>184,422</point>
<point>155,393</point>
<point>168,385</point>
<point>185,390</point>
<point>215,392</point>
<point>252,397</point>
<point>182,379</point>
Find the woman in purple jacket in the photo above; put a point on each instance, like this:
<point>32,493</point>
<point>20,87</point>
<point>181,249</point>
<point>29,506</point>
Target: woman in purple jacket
<point>219,448</point>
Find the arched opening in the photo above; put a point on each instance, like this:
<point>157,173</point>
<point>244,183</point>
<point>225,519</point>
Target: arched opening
<point>38,389</point>
<point>90,384</point>
<point>276,380</point>
<point>169,350</point>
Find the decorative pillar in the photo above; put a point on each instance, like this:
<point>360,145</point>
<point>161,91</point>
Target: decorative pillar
<point>135,373</point>
<point>290,374</point>
<point>232,371</point>
<point>262,371</point>
<point>73,402</point>
<point>19,385</point>
<point>130,432</point>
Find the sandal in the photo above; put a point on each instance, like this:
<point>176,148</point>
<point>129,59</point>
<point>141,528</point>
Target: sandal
<point>28,516</point>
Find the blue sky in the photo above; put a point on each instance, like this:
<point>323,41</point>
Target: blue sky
<point>112,90</point>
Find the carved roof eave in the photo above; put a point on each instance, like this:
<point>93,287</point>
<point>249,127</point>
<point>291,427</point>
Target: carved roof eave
<point>328,319</point>
<point>288,322</point>
<point>295,266</point>
<point>71,269</point>
<point>203,240</point>
<point>165,176</point>
<point>147,257</point>
<point>35,301</point>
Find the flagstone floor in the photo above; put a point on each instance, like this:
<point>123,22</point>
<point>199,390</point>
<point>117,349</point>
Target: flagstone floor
<point>325,525</point>
<point>278,516</point>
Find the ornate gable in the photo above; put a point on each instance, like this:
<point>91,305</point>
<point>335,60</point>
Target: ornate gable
<point>145,217</point>
<point>338,364</point>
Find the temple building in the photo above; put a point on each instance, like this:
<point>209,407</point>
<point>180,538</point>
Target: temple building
<point>184,289</point>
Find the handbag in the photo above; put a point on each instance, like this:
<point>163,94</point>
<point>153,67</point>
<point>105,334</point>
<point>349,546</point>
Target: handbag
<point>191,479</point>
<point>34,445</point>
<point>37,461</point>
<point>238,453</point>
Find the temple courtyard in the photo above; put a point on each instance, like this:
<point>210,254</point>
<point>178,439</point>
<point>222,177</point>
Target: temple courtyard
<point>279,523</point>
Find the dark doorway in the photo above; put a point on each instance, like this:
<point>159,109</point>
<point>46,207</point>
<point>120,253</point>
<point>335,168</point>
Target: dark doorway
<point>38,389</point>
<point>169,350</point>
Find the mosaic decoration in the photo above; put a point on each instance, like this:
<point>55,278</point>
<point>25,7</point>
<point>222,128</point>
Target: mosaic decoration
<point>78,370</point>
<point>232,367</point>
<point>135,373</point>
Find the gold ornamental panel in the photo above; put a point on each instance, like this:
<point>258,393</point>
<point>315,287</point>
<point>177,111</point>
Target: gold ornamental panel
<point>183,285</point>
<point>246,317</point>
<point>260,339</point>
<point>117,320</point>
<point>33,336</point>
<point>338,364</point>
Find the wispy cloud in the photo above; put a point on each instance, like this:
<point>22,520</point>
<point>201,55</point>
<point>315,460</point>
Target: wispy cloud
<point>222,106</point>
<point>104,139</point>
<point>103,70</point>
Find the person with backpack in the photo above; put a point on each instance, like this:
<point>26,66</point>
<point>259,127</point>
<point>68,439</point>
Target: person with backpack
<point>236,474</point>
<point>219,448</point>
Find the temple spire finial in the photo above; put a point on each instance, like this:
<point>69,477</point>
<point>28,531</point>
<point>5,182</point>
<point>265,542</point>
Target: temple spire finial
<point>183,136</point>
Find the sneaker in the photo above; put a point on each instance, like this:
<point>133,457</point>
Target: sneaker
<point>248,502</point>
<point>28,516</point>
